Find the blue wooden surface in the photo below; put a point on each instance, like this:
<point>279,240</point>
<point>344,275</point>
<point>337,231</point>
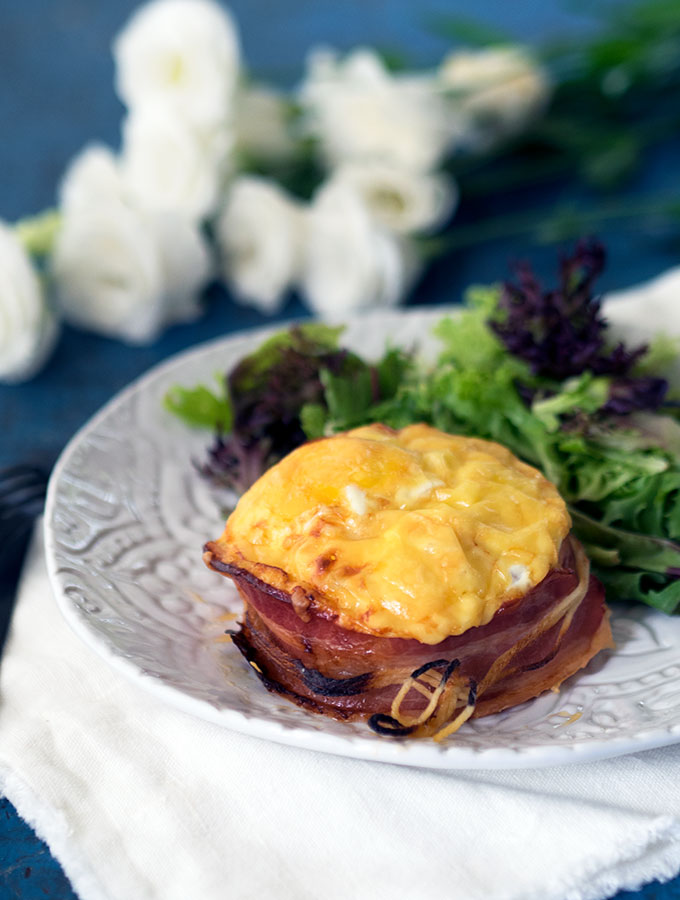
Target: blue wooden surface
<point>56,94</point>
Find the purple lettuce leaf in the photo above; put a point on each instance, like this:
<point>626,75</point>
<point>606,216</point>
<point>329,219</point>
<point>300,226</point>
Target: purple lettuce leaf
<point>561,333</point>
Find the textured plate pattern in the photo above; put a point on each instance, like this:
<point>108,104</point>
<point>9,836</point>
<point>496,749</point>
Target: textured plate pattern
<point>126,519</point>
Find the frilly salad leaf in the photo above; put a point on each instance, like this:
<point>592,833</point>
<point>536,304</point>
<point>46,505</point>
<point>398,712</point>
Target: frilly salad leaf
<point>267,391</point>
<point>347,397</point>
<point>562,334</point>
<point>279,396</point>
<point>200,407</point>
<point>632,565</point>
<point>583,394</point>
<point>310,340</point>
<point>532,369</point>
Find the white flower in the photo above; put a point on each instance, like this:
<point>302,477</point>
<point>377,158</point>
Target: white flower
<point>261,124</point>
<point>181,56</point>
<point>260,236</point>
<point>116,272</point>
<point>351,263</point>
<point>186,266</point>
<point>500,89</point>
<point>120,270</point>
<point>27,327</point>
<point>359,111</point>
<point>401,200</point>
<point>167,166</point>
<point>92,179</point>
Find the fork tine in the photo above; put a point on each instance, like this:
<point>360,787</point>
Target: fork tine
<point>7,481</point>
<point>20,494</point>
<point>12,484</point>
<point>10,518</point>
<point>22,497</point>
<point>18,478</point>
<point>9,472</point>
<point>11,549</point>
<point>20,467</point>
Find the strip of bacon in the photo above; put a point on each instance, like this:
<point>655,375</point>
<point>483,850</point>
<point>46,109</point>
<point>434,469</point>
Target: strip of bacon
<point>406,687</point>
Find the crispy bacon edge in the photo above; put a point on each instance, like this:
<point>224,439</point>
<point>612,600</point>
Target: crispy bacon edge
<point>407,688</point>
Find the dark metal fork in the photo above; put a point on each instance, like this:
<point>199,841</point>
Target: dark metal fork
<point>22,498</point>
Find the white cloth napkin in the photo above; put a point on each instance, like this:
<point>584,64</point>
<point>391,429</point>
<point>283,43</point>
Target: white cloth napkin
<point>141,802</point>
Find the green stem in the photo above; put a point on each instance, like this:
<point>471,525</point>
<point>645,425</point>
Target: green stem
<point>38,233</point>
<point>550,229</point>
<point>516,175</point>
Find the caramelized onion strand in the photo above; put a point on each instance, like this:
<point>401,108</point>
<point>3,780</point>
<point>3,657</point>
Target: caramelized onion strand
<point>444,700</point>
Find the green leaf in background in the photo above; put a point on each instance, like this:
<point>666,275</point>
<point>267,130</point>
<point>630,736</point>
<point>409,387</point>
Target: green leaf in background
<point>467,31</point>
<point>38,233</point>
<point>394,59</point>
<point>199,407</point>
<point>615,86</point>
<point>607,163</point>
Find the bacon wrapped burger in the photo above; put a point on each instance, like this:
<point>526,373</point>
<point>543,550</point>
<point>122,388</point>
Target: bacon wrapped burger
<point>412,578</point>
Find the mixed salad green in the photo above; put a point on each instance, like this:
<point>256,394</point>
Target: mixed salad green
<point>532,369</point>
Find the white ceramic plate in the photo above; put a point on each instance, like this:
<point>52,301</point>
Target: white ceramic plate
<point>126,519</point>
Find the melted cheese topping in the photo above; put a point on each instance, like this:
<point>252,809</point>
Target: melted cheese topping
<point>414,534</point>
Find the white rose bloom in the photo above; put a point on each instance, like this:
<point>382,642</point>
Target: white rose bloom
<point>261,124</point>
<point>119,270</point>
<point>107,273</point>
<point>399,199</point>
<point>92,178</point>
<point>181,56</point>
<point>351,263</point>
<point>167,166</point>
<point>260,235</point>
<point>358,110</point>
<point>500,89</point>
<point>186,265</point>
<point>27,327</point>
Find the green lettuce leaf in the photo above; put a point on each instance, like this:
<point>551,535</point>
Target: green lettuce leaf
<point>584,394</point>
<point>313,338</point>
<point>200,407</point>
<point>632,566</point>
